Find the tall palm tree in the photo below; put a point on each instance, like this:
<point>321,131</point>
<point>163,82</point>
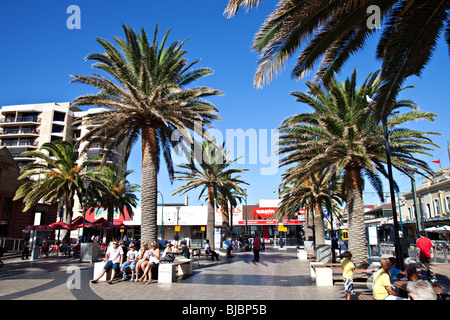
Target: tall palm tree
<point>148,97</point>
<point>113,191</point>
<point>331,31</point>
<point>342,133</point>
<point>314,192</point>
<point>55,176</point>
<point>211,173</point>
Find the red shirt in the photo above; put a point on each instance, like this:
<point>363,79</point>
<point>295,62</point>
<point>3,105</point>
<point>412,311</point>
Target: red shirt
<point>257,243</point>
<point>424,245</point>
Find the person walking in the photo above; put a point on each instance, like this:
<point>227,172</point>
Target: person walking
<point>256,247</point>
<point>426,252</point>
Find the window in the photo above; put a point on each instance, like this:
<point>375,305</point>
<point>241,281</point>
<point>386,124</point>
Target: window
<point>447,204</point>
<point>436,207</point>
<point>429,210</point>
<point>57,129</point>
<point>59,116</point>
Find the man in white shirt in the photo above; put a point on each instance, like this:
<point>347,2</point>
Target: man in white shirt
<point>114,258</point>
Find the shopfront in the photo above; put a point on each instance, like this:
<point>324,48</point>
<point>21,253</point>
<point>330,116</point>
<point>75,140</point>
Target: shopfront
<point>262,221</point>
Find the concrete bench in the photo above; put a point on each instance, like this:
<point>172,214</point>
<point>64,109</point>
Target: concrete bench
<point>323,274</point>
<point>302,255</point>
<point>98,267</point>
<point>167,271</point>
<point>311,254</point>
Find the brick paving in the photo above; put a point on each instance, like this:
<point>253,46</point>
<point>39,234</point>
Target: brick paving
<point>279,275</point>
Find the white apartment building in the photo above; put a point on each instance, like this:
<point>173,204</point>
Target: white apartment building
<point>27,127</point>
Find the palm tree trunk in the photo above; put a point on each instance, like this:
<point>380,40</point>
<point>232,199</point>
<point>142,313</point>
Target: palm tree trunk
<point>225,221</point>
<point>211,217</point>
<point>318,223</point>
<point>357,242</point>
<point>309,234</point>
<point>149,186</point>
<point>109,232</point>
<point>67,218</point>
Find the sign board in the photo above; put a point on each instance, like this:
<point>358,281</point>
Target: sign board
<point>270,222</point>
<point>177,228</point>
<point>203,228</point>
<point>264,212</point>
<point>282,228</point>
<point>373,236</point>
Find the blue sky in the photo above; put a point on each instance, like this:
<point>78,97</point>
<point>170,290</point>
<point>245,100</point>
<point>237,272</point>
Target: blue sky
<point>39,52</point>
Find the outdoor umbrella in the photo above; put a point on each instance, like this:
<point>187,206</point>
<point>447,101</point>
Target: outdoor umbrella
<point>443,229</point>
<point>78,223</point>
<point>61,225</point>
<point>102,223</point>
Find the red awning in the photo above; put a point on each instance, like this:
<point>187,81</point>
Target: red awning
<point>38,228</point>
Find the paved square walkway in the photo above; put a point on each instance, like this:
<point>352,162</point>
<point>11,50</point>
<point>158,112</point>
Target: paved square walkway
<point>279,275</point>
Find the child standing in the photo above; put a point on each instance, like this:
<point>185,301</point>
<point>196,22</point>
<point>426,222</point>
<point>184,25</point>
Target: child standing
<point>348,267</point>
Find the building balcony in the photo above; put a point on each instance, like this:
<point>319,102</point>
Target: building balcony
<point>16,133</point>
<point>10,121</point>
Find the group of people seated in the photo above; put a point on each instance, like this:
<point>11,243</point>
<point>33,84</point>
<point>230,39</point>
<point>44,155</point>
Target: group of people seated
<point>139,262</point>
<point>383,279</point>
<point>383,289</point>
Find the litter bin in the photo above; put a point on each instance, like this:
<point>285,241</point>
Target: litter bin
<point>88,252</point>
<point>323,253</point>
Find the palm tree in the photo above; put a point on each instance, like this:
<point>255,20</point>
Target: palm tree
<point>148,97</point>
<point>341,133</point>
<point>312,192</point>
<point>228,198</point>
<point>212,172</point>
<point>111,190</point>
<point>55,176</point>
<point>331,31</point>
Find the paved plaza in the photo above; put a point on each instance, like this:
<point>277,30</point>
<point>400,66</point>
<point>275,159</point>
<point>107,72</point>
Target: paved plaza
<point>279,275</point>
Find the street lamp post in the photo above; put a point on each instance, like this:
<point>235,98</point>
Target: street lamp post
<point>245,190</point>
<point>86,184</point>
<point>398,248</point>
<point>330,212</point>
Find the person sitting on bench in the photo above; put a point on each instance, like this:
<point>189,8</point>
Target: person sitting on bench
<point>114,258</point>
<point>184,251</point>
<point>210,252</point>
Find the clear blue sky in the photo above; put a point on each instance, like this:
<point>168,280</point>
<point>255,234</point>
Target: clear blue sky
<point>39,52</point>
